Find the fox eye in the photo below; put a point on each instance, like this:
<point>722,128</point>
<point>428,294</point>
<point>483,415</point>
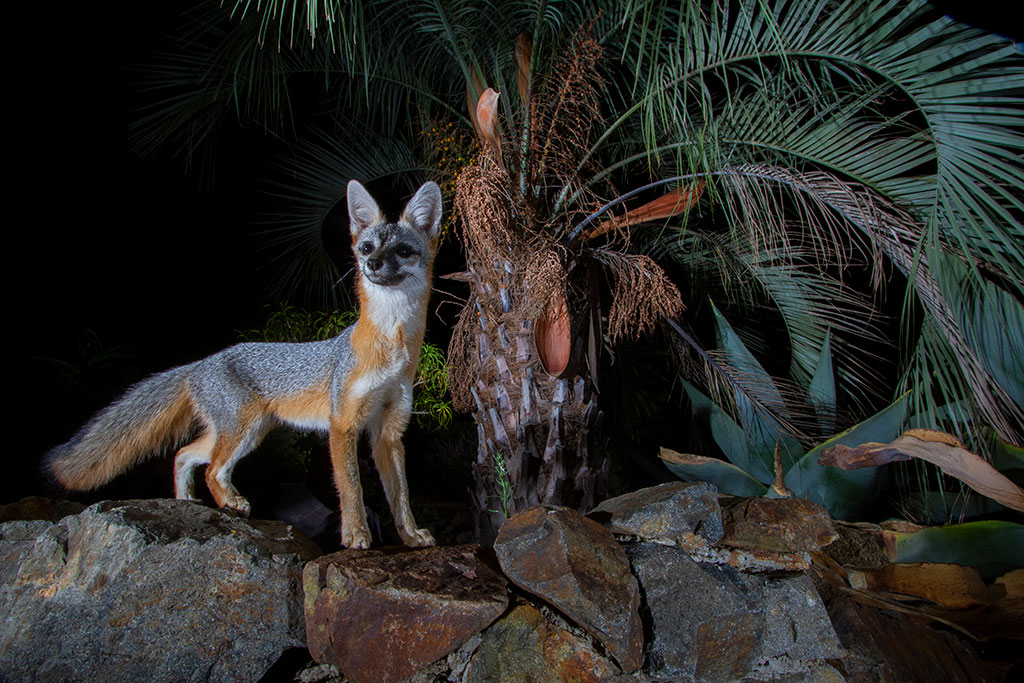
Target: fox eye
<point>404,250</point>
<point>366,248</point>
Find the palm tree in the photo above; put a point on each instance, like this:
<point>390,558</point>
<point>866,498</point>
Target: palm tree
<point>754,150</point>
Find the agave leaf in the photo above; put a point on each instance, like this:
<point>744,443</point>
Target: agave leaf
<point>844,493</point>
<point>763,413</point>
<point>991,547</point>
<point>1006,456</point>
<point>729,437</point>
<point>726,477</point>
<point>810,303</point>
<point>822,392</point>
<point>943,506</point>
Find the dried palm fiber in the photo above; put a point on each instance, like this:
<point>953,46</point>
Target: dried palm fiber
<point>641,296</point>
<point>565,112</point>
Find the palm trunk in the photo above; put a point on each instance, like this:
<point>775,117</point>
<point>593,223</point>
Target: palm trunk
<point>536,433</point>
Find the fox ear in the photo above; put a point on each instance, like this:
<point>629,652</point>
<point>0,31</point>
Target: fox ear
<point>424,209</point>
<point>362,210</point>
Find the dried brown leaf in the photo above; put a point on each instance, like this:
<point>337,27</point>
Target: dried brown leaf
<point>671,204</point>
<point>487,122</point>
<point>954,460</point>
<point>523,50</point>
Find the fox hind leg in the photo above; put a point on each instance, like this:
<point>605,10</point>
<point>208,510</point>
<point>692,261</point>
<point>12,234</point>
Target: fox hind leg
<point>227,451</point>
<point>389,455</point>
<point>187,459</point>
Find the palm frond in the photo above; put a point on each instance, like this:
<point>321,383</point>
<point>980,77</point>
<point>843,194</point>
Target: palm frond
<point>307,187</point>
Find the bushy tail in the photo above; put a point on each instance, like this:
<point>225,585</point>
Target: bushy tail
<point>153,414</point>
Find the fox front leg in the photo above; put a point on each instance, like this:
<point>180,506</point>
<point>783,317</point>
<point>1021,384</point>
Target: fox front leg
<point>355,532</point>
<point>389,456</point>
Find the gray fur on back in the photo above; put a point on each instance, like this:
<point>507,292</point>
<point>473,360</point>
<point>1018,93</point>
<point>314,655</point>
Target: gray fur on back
<point>228,379</point>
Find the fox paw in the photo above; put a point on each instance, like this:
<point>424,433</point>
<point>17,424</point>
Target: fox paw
<point>418,538</point>
<point>356,539</point>
<point>239,505</point>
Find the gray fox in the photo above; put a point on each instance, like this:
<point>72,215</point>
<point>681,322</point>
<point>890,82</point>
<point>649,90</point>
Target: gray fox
<point>361,379</point>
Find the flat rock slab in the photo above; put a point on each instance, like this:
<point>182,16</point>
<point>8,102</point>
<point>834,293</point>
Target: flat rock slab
<point>666,512</point>
<point>155,590</point>
<point>712,623</point>
<point>524,646</point>
<point>575,565</point>
<point>776,524</point>
<point>380,615</point>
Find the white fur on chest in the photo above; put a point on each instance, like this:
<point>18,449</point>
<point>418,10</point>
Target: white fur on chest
<point>391,375</point>
<point>390,309</point>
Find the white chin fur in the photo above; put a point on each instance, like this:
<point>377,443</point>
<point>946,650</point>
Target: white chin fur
<point>393,306</point>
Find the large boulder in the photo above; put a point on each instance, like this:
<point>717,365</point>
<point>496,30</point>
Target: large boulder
<point>574,564</point>
<point>711,622</point>
<point>158,590</point>
<point>380,615</point>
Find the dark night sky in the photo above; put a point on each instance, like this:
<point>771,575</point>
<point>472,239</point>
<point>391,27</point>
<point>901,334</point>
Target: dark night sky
<point>99,239</point>
<point>105,231</point>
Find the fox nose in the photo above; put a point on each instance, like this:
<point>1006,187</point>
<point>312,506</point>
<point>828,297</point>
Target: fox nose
<point>375,264</point>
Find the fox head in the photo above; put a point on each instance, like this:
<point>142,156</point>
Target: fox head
<point>400,253</point>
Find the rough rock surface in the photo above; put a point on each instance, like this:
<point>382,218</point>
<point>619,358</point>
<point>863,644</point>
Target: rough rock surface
<point>574,564</point>
<point>891,647</point>
<point>713,623</point>
<point>780,525</point>
<point>380,615</point>
<point>524,646</point>
<point>157,590</point>
<point>665,512</point>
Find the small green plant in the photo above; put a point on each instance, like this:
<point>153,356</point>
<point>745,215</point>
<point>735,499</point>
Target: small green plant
<point>287,323</point>
<point>432,404</point>
<point>505,488</point>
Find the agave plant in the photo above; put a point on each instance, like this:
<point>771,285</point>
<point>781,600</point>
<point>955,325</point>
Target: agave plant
<point>754,148</point>
<point>762,455</point>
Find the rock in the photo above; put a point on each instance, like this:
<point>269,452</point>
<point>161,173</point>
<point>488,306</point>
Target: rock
<point>380,615</point>
<point>784,525</point>
<point>36,508</point>
<point>891,647</point>
<point>524,646</point>
<point>713,623</point>
<point>450,668</point>
<point>666,512</point>
<point>158,590</point>
<point>751,561</point>
<point>859,545</point>
<point>574,564</point>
